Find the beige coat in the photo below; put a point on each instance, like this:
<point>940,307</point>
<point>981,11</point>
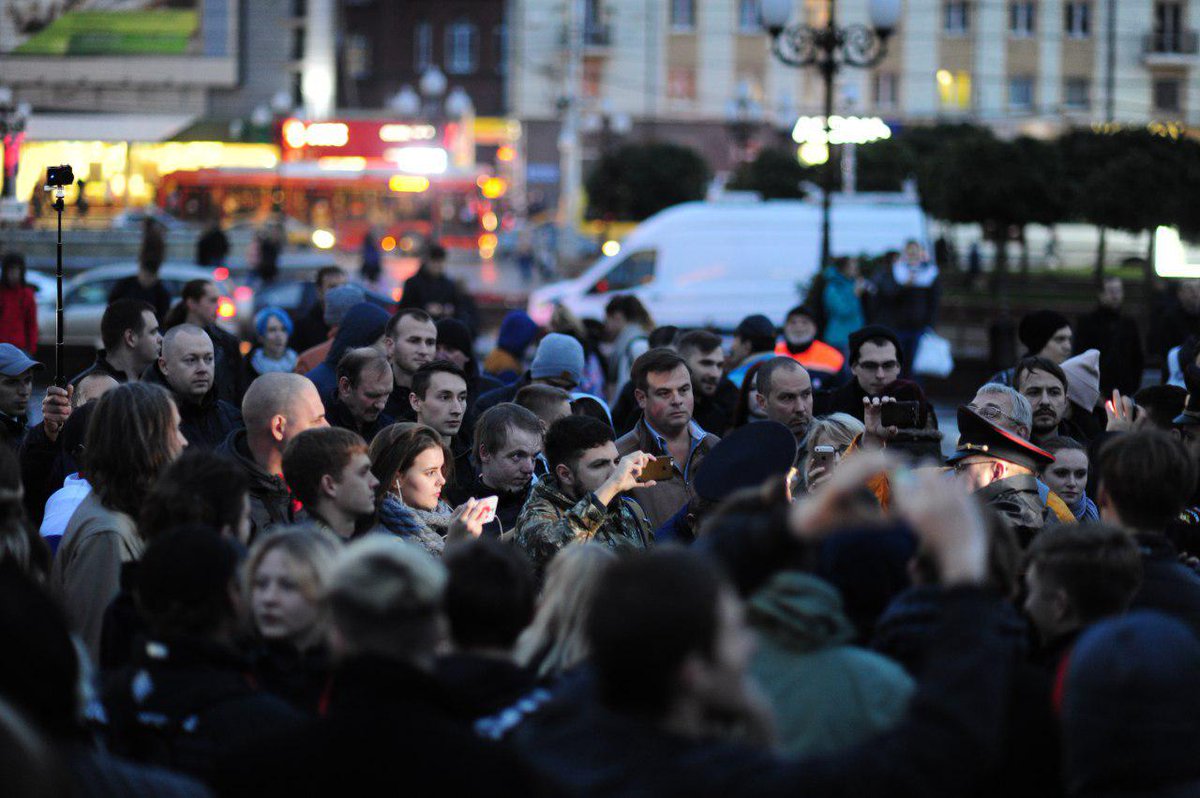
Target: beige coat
<point>86,576</point>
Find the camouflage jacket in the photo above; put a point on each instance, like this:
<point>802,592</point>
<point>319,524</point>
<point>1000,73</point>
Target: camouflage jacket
<point>1018,500</point>
<point>549,521</point>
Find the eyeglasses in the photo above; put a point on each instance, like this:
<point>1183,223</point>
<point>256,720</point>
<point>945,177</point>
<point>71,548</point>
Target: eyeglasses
<point>991,413</point>
<point>872,366</point>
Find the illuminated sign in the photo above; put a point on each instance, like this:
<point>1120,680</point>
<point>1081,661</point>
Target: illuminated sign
<point>842,130</point>
<point>1170,257</point>
<point>400,134</point>
<point>297,134</point>
<point>408,184</point>
<point>418,160</point>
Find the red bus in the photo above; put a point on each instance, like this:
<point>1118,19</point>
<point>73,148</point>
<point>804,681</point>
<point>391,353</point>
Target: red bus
<point>404,210</point>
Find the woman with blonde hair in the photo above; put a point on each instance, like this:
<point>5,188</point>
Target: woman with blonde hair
<point>413,464</point>
<point>555,642</point>
<point>838,430</point>
<point>284,577</point>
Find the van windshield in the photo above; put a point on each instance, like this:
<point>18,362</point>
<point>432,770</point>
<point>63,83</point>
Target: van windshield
<point>635,269</point>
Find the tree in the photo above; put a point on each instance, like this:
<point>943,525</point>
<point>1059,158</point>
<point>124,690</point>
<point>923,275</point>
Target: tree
<point>774,174</point>
<point>639,180</point>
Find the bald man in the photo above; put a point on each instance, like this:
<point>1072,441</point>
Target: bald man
<point>276,408</point>
<point>186,367</point>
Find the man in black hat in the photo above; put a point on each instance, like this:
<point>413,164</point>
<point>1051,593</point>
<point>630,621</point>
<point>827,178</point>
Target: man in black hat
<point>1043,333</point>
<point>876,358</point>
<point>753,341</point>
<point>1000,468</point>
<point>748,456</point>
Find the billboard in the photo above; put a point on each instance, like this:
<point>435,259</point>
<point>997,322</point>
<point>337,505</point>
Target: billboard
<point>114,28</point>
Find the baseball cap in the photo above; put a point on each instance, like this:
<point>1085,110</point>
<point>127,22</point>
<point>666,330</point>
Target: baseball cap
<point>14,362</point>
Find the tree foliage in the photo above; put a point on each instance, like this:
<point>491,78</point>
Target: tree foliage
<point>639,180</point>
<point>774,174</point>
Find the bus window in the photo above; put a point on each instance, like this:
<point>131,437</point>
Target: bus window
<point>635,269</point>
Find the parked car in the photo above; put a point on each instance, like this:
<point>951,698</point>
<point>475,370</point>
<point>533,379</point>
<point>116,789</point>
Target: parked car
<point>45,288</point>
<point>702,264</point>
<point>133,218</point>
<point>86,296</point>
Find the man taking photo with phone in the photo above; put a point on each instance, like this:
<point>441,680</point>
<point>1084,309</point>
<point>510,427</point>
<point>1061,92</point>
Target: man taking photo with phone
<point>581,499</point>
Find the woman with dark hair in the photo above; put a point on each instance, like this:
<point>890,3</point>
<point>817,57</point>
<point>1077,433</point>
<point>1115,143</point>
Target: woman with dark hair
<point>413,464</point>
<point>199,304</point>
<point>133,436</point>
<point>18,307</point>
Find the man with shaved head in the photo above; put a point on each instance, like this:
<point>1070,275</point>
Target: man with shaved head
<point>186,369</point>
<point>276,408</point>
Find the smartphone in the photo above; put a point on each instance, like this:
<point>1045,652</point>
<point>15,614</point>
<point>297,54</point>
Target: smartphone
<point>490,503</point>
<point>823,457</point>
<point>658,468</point>
<point>902,415</point>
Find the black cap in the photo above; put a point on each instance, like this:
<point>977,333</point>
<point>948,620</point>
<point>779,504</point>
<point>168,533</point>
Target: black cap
<point>756,326</point>
<point>1190,417</point>
<point>861,336</point>
<point>977,435</point>
<point>747,457</point>
<point>1037,328</point>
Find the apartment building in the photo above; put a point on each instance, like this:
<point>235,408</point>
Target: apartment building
<point>694,70</point>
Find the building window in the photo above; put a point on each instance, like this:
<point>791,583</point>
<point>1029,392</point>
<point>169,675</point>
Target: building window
<point>1077,21</point>
<point>500,48</point>
<point>298,40</point>
<point>358,56</point>
<point>954,90</point>
<point>1020,92</point>
<point>1077,93</point>
<point>1168,27</point>
<point>885,91</point>
<point>1167,94</point>
<point>681,83</point>
<point>1022,18</point>
<point>956,19</point>
<point>422,46</point>
<point>683,15</point>
<point>749,20</point>
<point>462,48</point>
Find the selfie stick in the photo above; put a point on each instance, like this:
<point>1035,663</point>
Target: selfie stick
<point>59,380</point>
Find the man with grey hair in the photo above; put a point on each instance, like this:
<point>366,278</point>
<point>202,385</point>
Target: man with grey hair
<point>276,408</point>
<point>385,714</point>
<point>187,369</point>
<point>1005,407</point>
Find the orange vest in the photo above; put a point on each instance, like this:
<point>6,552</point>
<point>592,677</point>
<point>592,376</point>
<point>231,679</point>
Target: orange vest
<point>820,356</point>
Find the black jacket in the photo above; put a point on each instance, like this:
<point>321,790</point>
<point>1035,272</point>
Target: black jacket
<point>156,295</point>
<point>439,296</point>
<point>100,366</point>
<point>298,677</point>
<point>943,747</point>
<point>206,423</point>
<point>310,329</point>
<point>270,499</point>
<point>483,686</point>
<point>470,486</point>
<point>338,415</point>
<point>1168,585</point>
<point>715,413</point>
<point>387,724</point>
<point>182,703</point>
<point>847,399</point>
<point>229,376</point>
<point>505,393</point>
<point>1120,344</point>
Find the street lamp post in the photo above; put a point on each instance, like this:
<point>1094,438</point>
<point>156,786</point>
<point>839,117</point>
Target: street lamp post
<point>743,116</point>
<point>829,48</point>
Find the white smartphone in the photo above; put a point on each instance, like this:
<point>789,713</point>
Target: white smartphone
<point>490,504</point>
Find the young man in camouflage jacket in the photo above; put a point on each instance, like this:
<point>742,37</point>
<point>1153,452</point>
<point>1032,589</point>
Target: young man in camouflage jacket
<point>580,499</point>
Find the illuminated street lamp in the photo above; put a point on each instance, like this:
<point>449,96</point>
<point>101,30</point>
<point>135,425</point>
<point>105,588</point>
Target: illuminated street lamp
<point>829,48</point>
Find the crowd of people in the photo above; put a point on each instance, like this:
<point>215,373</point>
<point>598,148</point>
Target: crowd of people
<point>603,558</point>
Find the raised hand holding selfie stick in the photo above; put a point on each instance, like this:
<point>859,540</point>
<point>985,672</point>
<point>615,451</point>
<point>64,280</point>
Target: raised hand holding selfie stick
<point>57,177</point>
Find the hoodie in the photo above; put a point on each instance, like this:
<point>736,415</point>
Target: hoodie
<point>827,695</point>
<point>270,499</point>
<point>363,325</point>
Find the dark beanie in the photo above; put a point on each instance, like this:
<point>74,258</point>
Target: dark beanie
<point>1037,328</point>
<point>861,336</point>
<point>1130,708</point>
<point>453,334</point>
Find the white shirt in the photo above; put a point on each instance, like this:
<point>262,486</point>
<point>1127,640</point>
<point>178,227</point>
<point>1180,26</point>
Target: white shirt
<point>61,506</point>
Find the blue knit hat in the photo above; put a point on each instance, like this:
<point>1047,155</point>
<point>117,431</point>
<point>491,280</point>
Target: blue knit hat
<point>559,356</point>
<point>266,314</point>
<point>339,300</point>
<point>516,332</point>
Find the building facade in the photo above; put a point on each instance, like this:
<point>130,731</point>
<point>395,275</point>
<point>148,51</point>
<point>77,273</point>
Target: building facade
<point>688,70</point>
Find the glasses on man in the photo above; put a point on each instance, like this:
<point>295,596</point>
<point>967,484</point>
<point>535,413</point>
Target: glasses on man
<point>991,413</point>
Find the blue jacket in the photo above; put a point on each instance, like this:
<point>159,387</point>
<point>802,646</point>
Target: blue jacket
<point>843,309</point>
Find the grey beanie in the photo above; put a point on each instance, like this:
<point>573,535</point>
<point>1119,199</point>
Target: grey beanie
<point>558,355</point>
<point>340,300</point>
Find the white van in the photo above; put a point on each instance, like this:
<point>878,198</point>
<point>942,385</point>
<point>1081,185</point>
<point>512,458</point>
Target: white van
<point>711,264</point>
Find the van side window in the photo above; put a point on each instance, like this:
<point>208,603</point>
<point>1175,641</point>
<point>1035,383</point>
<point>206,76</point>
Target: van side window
<point>636,268</point>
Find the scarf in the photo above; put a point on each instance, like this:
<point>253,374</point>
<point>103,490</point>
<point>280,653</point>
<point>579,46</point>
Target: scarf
<point>426,528</point>
<point>1085,509</point>
<point>264,365</point>
<point>923,274</point>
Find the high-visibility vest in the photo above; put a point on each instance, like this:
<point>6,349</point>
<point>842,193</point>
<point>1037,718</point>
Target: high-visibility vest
<point>819,356</point>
